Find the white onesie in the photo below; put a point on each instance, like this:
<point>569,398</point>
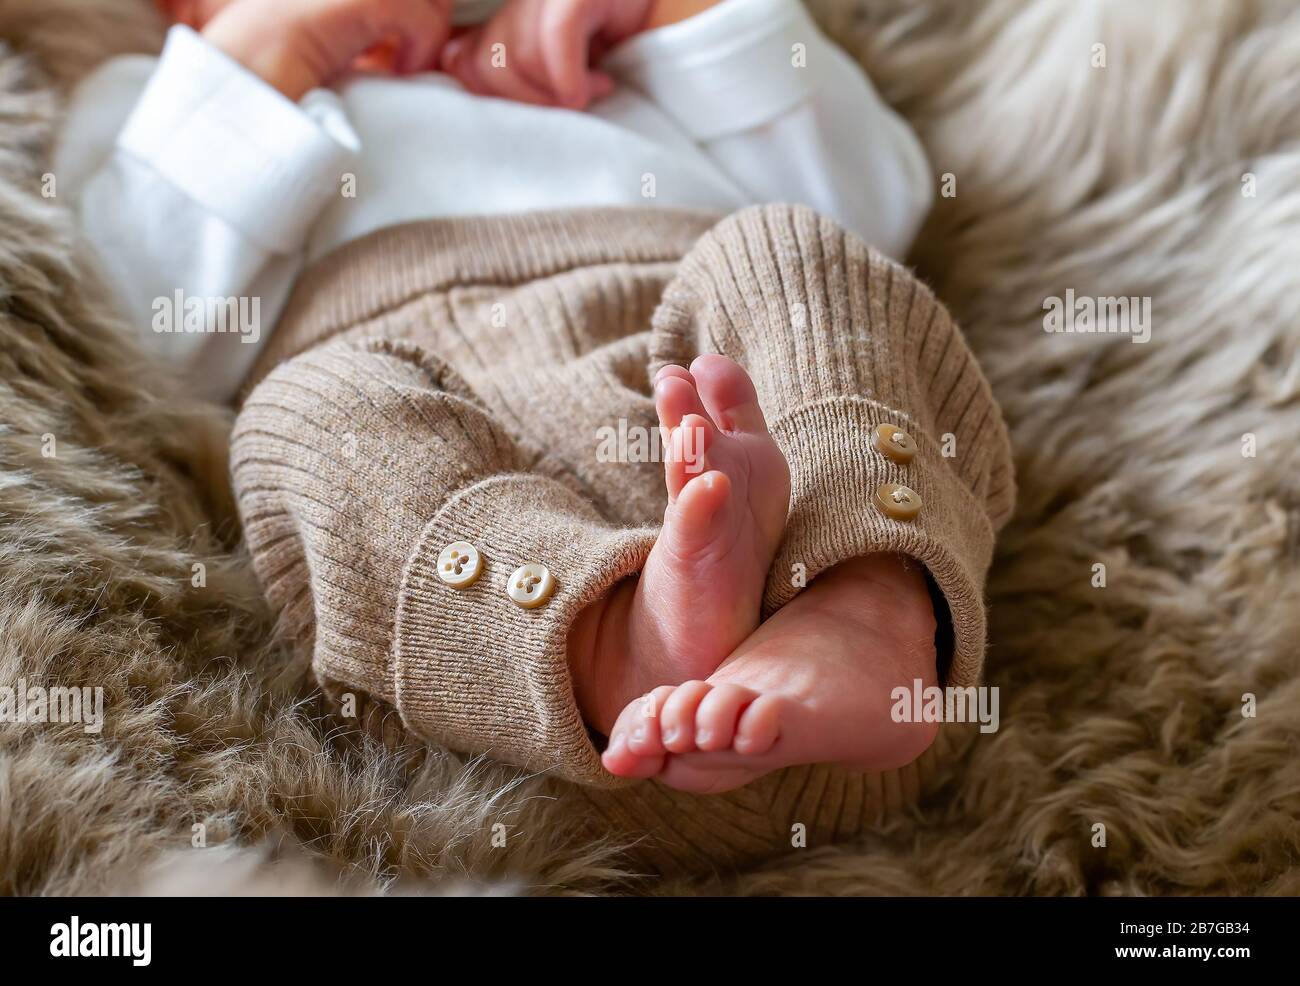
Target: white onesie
<point>194,179</point>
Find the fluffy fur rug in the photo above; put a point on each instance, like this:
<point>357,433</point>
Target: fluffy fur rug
<point>1107,148</point>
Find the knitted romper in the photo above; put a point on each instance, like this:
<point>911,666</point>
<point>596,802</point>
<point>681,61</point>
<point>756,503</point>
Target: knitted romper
<point>450,380</point>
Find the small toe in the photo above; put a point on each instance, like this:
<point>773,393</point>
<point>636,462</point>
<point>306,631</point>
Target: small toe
<point>687,452</point>
<point>715,720</point>
<point>676,396</point>
<point>759,727</point>
<point>728,393</point>
<point>677,721</point>
<point>674,370</point>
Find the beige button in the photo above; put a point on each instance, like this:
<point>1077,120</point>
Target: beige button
<point>894,443</point>
<point>531,585</point>
<point>897,501</point>
<point>460,564</point>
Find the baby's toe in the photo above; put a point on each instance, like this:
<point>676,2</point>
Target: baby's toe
<point>619,758</point>
<point>759,726</point>
<point>690,527</point>
<point>728,394</point>
<point>677,721</point>
<point>686,452</point>
<point>715,720</point>
<point>622,762</point>
<point>732,402</point>
<point>676,396</point>
<point>642,725</point>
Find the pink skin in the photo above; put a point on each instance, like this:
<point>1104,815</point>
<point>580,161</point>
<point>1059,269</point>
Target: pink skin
<point>811,685</point>
<point>543,51</point>
<point>298,45</point>
<point>728,496</point>
<point>698,694</point>
<point>551,47</point>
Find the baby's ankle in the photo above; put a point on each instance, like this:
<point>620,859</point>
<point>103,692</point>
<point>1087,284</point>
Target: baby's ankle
<point>597,652</point>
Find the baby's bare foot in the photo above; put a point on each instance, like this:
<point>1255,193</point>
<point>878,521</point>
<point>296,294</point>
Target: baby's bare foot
<point>811,685</point>
<point>700,592</point>
<point>728,496</point>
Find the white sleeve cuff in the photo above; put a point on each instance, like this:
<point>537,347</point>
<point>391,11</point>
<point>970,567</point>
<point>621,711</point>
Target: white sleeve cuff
<point>728,69</point>
<point>233,144</point>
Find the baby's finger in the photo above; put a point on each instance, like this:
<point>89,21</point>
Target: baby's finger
<point>460,59</point>
<point>421,28</point>
<point>567,30</point>
<point>527,52</point>
<point>508,82</point>
<point>499,58</point>
<point>486,70</point>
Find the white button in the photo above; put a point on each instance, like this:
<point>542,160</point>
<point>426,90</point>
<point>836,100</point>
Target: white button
<point>531,585</point>
<point>894,443</point>
<point>460,564</point>
<point>897,501</point>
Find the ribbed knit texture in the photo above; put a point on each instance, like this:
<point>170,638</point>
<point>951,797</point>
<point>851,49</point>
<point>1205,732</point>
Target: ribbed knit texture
<point>448,380</point>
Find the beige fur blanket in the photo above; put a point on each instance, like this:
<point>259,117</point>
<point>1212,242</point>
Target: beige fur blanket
<point>1146,601</point>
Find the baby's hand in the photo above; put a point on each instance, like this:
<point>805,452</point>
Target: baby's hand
<point>540,51</point>
<point>297,45</point>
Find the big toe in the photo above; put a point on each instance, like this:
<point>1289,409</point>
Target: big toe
<point>696,519</point>
<point>728,393</point>
<point>635,748</point>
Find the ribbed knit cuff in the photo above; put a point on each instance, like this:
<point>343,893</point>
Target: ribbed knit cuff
<point>476,672</point>
<point>834,471</point>
<point>839,339</point>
